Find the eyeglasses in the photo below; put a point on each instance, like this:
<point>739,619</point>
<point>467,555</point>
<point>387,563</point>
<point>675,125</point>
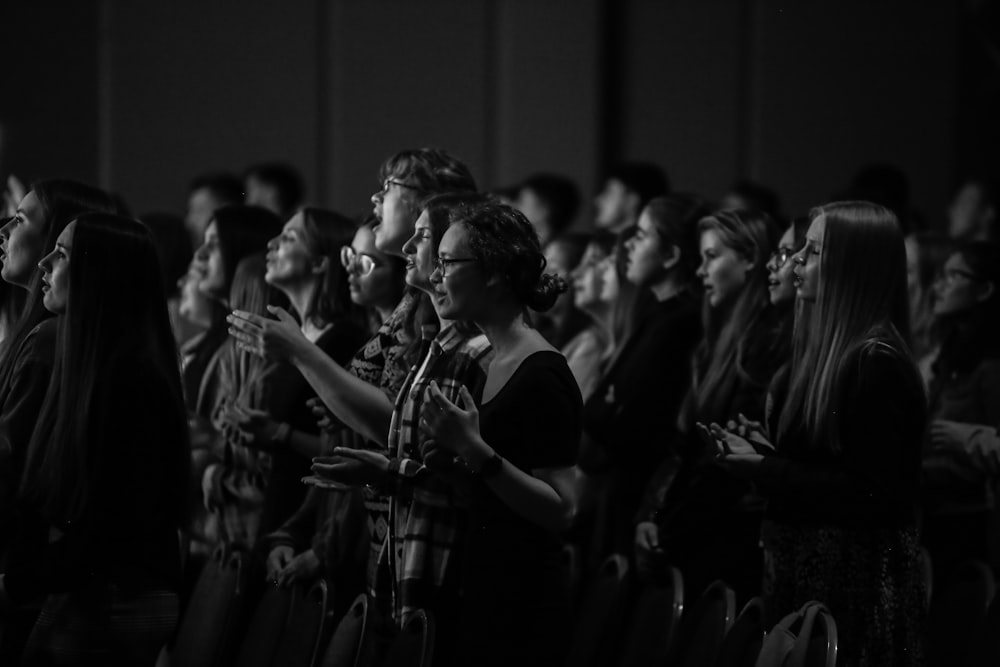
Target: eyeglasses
<point>356,262</point>
<point>781,256</point>
<point>389,182</point>
<point>441,265</point>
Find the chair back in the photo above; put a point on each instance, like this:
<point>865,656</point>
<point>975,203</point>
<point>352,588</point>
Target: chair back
<point>347,645</point>
<point>804,638</point>
<point>207,631</point>
<point>959,607</point>
<point>704,626</point>
<point>984,651</point>
<point>268,623</point>
<point>927,570</point>
<point>300,642</point>
<point>601,621</point>
<point>414,645</point>
<point>742,643</point>
<point>653,626</point>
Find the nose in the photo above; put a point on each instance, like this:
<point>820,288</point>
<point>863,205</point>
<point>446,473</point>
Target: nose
<point>273,243</point>
<point>436,278</point>
<point>377,198</point>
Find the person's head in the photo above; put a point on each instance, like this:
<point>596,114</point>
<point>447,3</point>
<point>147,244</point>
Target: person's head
<point>276,186</point>
<point>173,244</point>
<point>550,202</point>
<point>595,279</point>
<point>233,233</point>
<point>305,258</point>
<point>780,277</point>
<point>974,213</point>
<point>41,215</point>
<point>421,249</point>
<point>665,246</point>
<point>734,247</point>
<point>194,305</point>
<point>376,280</point>
<point>969,280</point>
<point>406,181</point>
<point>851,277</point>
<point>206,193</point>
<point>562,255</point>
<point>490,259</point>
<point>749,196</point>
<point>627,190</point>
<point>105,319</point>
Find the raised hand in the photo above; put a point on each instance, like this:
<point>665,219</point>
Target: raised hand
<point>451,427</point>
<point>279,338</point>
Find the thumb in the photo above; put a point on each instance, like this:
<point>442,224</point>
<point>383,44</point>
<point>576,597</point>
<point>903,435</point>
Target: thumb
<point>282,314</point>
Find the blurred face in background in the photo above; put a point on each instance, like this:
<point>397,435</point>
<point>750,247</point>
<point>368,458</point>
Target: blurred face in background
<point>723,270</point>
<point>589,277</point>
<point>780,279</point>
<point>371,275</point>
<point>209,265</point>
<point>22,242</point>
<point>960,289</point>
<point>807,261</point>
<point>396,210</point>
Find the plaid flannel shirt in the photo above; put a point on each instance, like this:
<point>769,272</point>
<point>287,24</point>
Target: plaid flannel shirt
<point>426,522</point>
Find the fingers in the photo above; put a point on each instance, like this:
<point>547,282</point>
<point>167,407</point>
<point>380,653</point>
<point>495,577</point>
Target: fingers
<point>468,403</point>
<point>282,315</point>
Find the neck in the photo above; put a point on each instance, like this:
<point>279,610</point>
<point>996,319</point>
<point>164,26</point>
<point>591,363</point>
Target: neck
<point>384,312</point>
<point>504,327</point>
<point>667,288</point>
<point>602,315</point>
<point>299,297</point>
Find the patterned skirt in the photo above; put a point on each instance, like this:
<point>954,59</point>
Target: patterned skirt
<point>871,580</point>
<point>103,625</point>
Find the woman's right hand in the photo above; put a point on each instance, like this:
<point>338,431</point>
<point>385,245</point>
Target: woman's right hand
<point>278,560</point>
<point>268,338</point>
<point>649,554</point>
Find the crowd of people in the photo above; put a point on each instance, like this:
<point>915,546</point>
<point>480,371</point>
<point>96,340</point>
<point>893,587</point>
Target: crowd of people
<point>428,405</point>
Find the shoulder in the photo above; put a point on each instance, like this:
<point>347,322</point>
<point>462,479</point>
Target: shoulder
<point>42,339</point>
<point>881,363</point>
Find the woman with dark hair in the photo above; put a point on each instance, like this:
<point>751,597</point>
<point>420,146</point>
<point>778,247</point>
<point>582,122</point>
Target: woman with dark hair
<point>513,607</point>
<point>233,233</point>
<point>959,518</point>
<point>303,263</point>
<point>104,483</point>
<point>926,253</point>
<point>698,517</point>
<point>632,411</point>
<point>842,483</point>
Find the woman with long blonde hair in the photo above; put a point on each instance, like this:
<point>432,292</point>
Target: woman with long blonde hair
<point>841,520</point>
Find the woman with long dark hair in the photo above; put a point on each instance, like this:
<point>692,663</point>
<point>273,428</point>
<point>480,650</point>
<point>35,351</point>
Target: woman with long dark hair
<point>513,607</point>
<point>842,484</point>
<point>107,467</point>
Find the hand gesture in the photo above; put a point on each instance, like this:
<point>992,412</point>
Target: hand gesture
<point>450,427</point>
<point>304,567</point>
<point>256,426</point>
<point>277,560</point>
<point>948,435</point>
<point>349,467</point>
<point>752,431</point>
<point>268,338</point>
<point>649,555</point>
<point>324,418</point>
<point>735,454</point>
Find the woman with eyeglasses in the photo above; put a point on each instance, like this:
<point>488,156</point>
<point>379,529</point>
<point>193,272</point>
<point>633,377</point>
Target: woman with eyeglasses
<point>517,441</point>
<point>303,264</point>
<point>703,520</point>
<point>842,478</point>
<point>104,485</point>
<point>328,535</point>
<point>959,521</point>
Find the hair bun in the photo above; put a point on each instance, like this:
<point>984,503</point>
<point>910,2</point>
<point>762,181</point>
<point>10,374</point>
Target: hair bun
<point>545,293</point>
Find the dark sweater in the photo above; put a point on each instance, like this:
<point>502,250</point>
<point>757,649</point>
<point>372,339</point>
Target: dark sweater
<point>128,534</point>
<point>873,481</point>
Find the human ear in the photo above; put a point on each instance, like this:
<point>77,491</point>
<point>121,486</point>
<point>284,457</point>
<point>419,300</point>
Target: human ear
<point>322,266</point>
<point>671,257</point>
<point>986,292</point>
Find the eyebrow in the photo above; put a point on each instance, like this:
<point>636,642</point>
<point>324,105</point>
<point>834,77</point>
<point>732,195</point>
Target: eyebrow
<point>63,246</point>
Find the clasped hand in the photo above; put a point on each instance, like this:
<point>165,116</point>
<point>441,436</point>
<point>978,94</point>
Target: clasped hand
<point>254,428</point>
<point>348,468</point>
<point>448,426</point>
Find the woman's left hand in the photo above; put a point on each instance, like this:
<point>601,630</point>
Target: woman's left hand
<point>279,338</point>
<point>452,428</point>
<point>351,467</point>
<point>256,426</point>
<point>735,454</point>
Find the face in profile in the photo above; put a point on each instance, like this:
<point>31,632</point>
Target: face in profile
<point>645,253</point>
<point>559,262</point>
<point>723,270</point>
<point>459,287</point>
<point>611,204</point>
<point>369,272</point>
<point>396,216</point>
<point>209,265</point>
<point>589,277</point>
<point>22,242</point>
<point>290,262</point>
<point>201,207</point>
<point>420,255</point>
<point>780,279</point>
<point>55,272</point>
<point>807,261</point>
<point>960,289</point>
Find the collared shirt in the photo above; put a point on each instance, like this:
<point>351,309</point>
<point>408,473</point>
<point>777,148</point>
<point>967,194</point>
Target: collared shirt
<point>425,518</point>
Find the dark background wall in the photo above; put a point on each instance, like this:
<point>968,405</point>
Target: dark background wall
<point>140,96</point>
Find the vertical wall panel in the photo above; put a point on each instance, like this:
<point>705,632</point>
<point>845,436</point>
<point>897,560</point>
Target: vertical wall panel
<point>201,86</point>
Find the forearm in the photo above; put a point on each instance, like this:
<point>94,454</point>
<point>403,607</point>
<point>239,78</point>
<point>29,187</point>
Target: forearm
<point>362,407</point>
<point>546,502</point>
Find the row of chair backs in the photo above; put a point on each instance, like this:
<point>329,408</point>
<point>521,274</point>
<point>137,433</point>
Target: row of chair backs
<point>353,642</point>
<point>804,638</point>
<point>653,627</point>
<point>964,628</point>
